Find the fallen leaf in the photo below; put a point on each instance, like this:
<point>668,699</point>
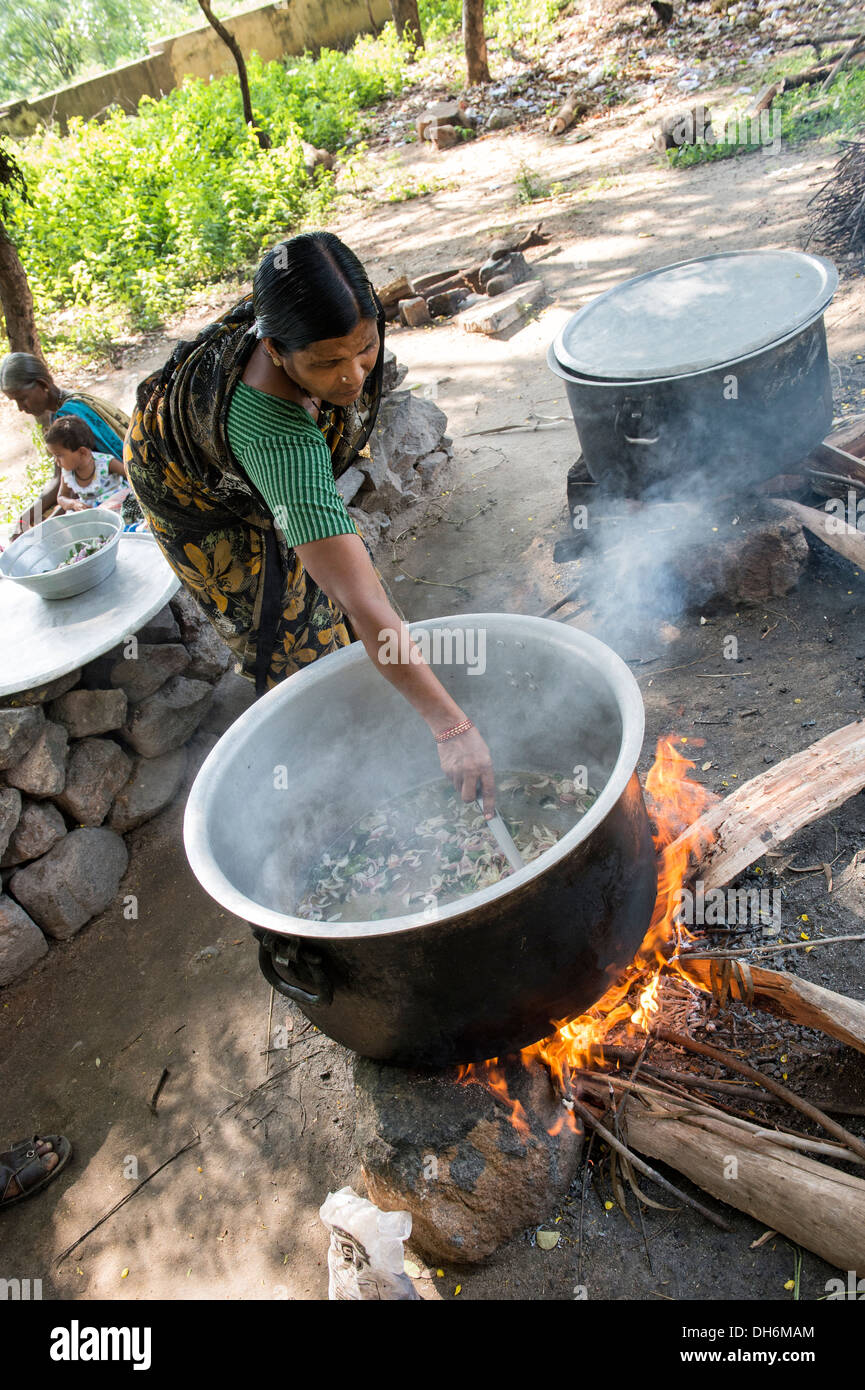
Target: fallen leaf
<point>608,1206</point>
<point>123,1273</point>
<point>458,1289</point>
<point>412,1270</point>
<point>706,766</point>
<point>790,1284</point>
<point>548,1240</point>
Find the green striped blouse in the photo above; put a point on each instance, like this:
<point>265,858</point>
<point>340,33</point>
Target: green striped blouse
<point>285,455</point>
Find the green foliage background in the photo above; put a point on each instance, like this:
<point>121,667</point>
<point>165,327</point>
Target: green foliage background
<point>131,211</point>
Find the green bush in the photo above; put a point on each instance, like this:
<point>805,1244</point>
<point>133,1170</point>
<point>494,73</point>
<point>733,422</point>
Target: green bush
<point>132,211</point>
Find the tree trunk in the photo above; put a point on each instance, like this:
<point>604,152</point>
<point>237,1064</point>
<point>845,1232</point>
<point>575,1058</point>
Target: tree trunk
<point>407,21</point>
<point>475,42</point>
<point>17,301</point>
<point>233,46</point>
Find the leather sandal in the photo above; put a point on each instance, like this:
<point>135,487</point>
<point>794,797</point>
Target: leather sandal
<point>23,1164</point>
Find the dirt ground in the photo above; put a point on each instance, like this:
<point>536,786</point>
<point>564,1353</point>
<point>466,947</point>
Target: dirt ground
<point>235,1217</point>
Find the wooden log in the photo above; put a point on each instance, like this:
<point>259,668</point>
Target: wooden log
<point>841,63</point>
<point>838,460</point>
<point>769,808</point>
<point>764,99</point>
<point>574,105</point>
<point>787,996</point>
<point>804,79</point>
<point>813,1204</point>
<point>391,294</point>
<point>850,436</point>
<point>839,535</point>
<point>424,284</point>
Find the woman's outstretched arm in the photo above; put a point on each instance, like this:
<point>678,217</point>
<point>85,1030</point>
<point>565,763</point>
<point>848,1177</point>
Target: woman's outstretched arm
<point>342,568</point>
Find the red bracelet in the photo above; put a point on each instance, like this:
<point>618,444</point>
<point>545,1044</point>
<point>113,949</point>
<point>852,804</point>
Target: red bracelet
<point>462,728</point>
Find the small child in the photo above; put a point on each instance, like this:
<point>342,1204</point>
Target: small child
<point>88,479</point>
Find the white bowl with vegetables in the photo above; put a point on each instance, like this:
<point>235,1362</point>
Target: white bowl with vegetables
<point>65,555</point>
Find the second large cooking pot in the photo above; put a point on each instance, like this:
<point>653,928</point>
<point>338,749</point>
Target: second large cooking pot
<point>712,372</point>
<point>494,970</point>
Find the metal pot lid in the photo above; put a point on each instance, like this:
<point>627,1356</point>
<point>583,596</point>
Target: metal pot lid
<point>696,315</point>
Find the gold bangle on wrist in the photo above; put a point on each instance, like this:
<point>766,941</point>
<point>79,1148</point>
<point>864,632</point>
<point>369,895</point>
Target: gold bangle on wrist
<point>462,728</point>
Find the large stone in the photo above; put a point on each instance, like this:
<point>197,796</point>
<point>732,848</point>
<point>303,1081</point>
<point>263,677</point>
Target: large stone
<point>450,1154</point>
<point>370,524</point>
<point>96,771</point>
<point>72,882</point>
<point>430,468</point>
<point>167,719</point>
<point>232,696</point>
<point>38,694</point>
<point>87,712</point>
<point>442,113</point>
<point>162,627</point>
<point>154,783</point>
<point>504,311</point>
<point>414,313</point>
<point>760,560</point>
<point>19,730</point>
<point>513,263</point>
<point>10,814</point>
<point>447,302</point>
<point>152,665</point>
<point>393,372</point>
<point>39,828</point>
<point>209,655</point>
<point>499,117</point>
<point>42,770</point>
<point>349,483</point>
<point>407,429</point>
<point>443,136</point>
<point>21,941</point>
<point>392,493</point>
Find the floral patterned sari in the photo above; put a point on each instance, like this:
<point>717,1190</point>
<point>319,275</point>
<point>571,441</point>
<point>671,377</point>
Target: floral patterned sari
<point>213,527</point>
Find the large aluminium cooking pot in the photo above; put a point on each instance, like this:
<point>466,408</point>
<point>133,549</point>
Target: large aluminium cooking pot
<point>492,971</point>
<point>713,371</point>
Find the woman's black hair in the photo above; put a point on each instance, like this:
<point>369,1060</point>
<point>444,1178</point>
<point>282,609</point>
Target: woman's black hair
<point>313,287</point>
<point>309,288</point>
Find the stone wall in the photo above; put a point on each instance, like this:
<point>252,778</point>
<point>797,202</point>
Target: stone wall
<point>293,26</point>
<point>87,758</point>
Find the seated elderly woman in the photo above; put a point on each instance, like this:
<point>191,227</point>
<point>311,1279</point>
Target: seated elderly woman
<point>233,451</point>
<point>27,381</point>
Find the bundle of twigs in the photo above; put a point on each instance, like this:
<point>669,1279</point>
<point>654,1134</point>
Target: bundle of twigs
<point>839,224</point>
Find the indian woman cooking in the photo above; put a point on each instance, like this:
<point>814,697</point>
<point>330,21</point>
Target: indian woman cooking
<point>233,452</point>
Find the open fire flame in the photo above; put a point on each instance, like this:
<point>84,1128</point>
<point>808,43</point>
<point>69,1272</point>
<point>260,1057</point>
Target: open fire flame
<point>676,802</point>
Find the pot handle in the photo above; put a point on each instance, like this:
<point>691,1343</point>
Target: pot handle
<point>629,419</point>
<point>277,954</point>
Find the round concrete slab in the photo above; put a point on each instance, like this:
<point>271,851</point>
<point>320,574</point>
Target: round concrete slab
<point>43,639</point>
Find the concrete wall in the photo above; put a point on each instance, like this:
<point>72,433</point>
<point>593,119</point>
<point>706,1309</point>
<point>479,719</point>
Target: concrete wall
<point>289,26</point>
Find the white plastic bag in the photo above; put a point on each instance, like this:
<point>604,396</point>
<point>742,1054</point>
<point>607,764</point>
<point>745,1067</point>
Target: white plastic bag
<point>365,1259</point>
